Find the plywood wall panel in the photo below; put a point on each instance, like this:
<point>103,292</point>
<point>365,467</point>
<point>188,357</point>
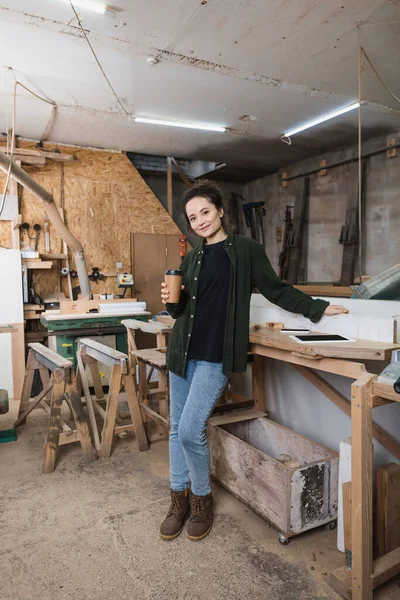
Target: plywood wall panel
<point>105,199</point>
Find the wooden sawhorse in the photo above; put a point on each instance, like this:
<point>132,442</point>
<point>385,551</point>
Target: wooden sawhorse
<point>60,386</point>
<point>155,358</point>
<point>91,353</point>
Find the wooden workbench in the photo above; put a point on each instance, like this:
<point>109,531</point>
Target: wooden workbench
<point>366,393</point>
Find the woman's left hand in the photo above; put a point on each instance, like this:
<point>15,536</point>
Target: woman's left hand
<point>335,309</point>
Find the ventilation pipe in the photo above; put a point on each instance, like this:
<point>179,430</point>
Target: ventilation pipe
<point>51,210</point>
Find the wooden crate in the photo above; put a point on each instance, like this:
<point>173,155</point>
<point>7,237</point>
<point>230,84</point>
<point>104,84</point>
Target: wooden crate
<point>295,496</point>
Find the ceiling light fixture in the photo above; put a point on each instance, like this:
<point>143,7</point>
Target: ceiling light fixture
<point>327,117</point>
<point>202,126</point>
<point>89,5</point>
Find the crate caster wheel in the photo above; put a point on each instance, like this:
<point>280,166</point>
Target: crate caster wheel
<point>283,539</point>
<point>330,526</point>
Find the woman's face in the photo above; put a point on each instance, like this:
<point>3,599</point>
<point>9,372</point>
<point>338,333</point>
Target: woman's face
<point>204,217</point>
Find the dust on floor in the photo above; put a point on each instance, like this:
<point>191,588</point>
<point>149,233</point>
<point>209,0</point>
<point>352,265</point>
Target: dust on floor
<point>91,532</point>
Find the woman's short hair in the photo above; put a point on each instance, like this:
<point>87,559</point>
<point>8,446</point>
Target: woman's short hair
<point>205,189</point>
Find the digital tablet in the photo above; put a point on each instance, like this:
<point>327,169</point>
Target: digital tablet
<point>320,338</point>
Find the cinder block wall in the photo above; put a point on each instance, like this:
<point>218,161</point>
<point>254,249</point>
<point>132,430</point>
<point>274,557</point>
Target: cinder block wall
<point>328,204</point>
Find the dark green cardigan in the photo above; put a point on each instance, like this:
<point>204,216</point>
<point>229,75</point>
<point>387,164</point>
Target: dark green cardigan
<point>250,268</point>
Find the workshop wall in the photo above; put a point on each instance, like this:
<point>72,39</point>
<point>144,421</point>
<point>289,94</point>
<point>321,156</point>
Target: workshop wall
<point>328,204</point>
<point>105,199</point>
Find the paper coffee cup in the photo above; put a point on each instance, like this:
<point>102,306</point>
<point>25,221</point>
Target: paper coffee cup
<point>173,279</point>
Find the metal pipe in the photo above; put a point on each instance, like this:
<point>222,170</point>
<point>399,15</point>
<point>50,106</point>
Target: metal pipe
<point>51,210</point>
<point>342,162</point>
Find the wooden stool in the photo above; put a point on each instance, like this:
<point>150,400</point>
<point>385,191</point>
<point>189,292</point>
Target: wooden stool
<point>91,353</point>
<point>154,358</point>
<point>60,386</point>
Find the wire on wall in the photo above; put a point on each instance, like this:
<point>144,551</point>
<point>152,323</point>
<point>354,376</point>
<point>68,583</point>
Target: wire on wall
<point>97,60</point>
<point>11,149</point>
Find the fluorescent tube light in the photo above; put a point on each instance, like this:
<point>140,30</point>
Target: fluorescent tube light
<point>89,4</point>
<point>201,126</point>
<point>327,117</point>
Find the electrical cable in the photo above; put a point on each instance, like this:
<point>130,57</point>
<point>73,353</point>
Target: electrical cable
<point>175,35</point>
<point>97,60</point>
<point>379,77</point>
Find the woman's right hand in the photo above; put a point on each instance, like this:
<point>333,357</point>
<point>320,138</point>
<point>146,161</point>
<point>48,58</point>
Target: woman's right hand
<point>164,293</point>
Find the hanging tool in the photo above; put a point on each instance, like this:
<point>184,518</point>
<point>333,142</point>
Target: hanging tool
<point>284,255</point>
<point>297,240</point>
<point>254,213</point>
<point>349,234</point>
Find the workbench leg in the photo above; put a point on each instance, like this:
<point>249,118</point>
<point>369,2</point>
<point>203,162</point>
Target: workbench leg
<point>143,387</point>
<point>53,429</point>
<point>361,477</point>
<point>111,411</point>
<point>258,376</point>
<point>136,413</point>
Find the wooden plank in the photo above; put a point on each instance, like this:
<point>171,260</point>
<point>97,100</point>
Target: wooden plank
<point>36,263</point>
<point>27,386</point>
<point>333,291</point>
<point>152,327</point>
<point>153,356</point>
<point>53,430</point>
<point>390,443</point>
<point>388,508</point>
<point>346,495</point>
<point>57,156</point>
<point>258,379</point>
<point>112,405</point>
<point>330,365</point>
<point>385,391</point>
<point>135,411</point>
<point>80,421</point>
<point>358,350</point>
<point>386,567</point>
<point>32,405</point>
<point>153,414</point>
<point>18,358</point>
<point>51,356</point>
<point>166,320</point>
<point>361,468</point>
<point>104,354</point>
<point>236,416</point>
<point>82,381</point>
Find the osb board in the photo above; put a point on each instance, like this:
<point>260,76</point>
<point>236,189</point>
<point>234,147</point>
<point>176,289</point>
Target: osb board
<point>105,199</point>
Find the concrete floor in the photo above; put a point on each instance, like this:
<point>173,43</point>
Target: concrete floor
<point>91,532</point>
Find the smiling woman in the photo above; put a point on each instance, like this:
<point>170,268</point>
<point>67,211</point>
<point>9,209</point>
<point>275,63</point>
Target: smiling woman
<point>209,341</point>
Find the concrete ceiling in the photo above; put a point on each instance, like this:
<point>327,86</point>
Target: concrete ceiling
<point>283,61</point>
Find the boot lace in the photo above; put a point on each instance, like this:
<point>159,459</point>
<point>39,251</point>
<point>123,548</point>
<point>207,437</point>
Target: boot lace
<point>176,505</point>
<point>198,506</point>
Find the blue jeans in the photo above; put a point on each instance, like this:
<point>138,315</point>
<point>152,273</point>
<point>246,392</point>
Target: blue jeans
<point>192,401</point>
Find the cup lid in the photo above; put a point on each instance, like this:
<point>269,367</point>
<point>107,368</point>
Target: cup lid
<point>173,272</point>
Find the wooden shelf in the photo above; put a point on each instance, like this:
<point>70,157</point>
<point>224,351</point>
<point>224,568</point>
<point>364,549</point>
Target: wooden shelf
<point>54,256</point>
<point>37,263</point>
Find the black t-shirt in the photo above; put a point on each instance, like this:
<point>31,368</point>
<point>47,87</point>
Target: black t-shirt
<point>207,339</point>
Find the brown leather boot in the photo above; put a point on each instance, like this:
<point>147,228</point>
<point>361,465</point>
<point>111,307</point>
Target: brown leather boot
<point>179,509</point>
<point>201,517</point>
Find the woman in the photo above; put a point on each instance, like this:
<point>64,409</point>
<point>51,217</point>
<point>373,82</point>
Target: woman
<point>209,341</point>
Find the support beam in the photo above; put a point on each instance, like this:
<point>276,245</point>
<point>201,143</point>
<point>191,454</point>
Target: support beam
<point>392,445</point>
<point>361,469</point>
